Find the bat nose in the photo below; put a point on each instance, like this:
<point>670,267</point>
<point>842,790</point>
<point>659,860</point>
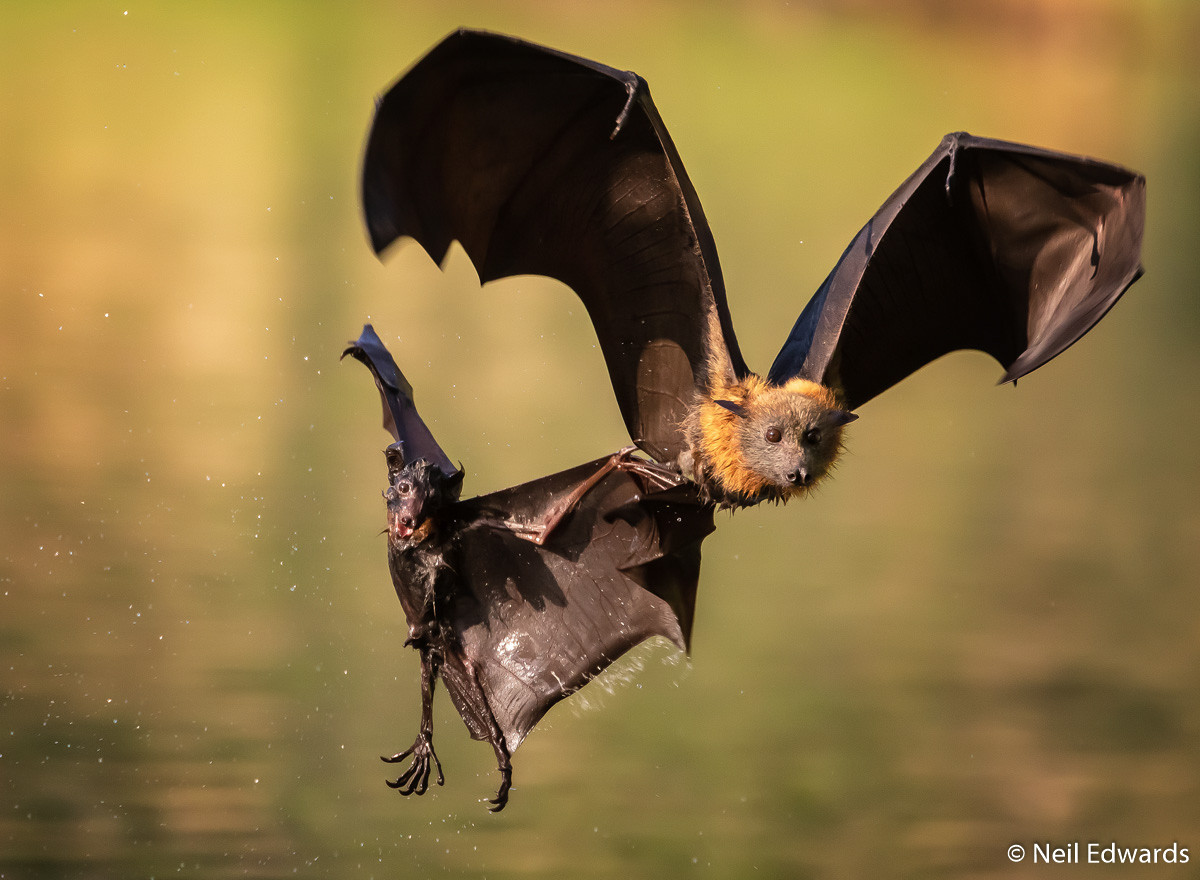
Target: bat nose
<point>799,477</point>
<point>402,523</point>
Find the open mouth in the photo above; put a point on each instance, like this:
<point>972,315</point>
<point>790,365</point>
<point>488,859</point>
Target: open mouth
<point>401,527</point>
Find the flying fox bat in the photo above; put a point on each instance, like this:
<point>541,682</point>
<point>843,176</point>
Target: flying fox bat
<point>539,162</point>
<point>518,598</point>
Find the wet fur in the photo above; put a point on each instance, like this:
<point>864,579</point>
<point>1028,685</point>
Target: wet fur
<point>418,558</point>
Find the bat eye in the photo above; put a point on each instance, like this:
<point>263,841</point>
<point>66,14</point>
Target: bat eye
<point>404,488</point>
<point>773,435</point>
<point>812,436</point>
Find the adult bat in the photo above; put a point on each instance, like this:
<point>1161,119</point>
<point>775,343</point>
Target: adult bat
<point>518,598</point>
<point>540,162</point>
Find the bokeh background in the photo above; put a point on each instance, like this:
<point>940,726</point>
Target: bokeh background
<point>984,630</point>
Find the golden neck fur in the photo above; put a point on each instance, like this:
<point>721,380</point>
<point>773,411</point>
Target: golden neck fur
<point>715,441</point>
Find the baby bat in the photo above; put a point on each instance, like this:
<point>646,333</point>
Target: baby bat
<point>518,598</point>
<point>539,162</point>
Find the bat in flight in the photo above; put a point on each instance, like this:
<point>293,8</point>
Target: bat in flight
<point>543,163</point>
<point>518,598</point>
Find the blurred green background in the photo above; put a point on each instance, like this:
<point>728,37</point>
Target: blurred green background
<point>984,630</point>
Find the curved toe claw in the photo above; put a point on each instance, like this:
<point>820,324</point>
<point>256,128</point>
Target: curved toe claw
<point>415,779</point>
<point>501,798</point>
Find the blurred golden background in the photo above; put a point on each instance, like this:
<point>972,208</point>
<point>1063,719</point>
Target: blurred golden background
<point>985,629</point>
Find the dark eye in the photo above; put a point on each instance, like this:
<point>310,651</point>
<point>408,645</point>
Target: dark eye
<point>404,488</point>
<point>812,436</point>
<point>773,435</point>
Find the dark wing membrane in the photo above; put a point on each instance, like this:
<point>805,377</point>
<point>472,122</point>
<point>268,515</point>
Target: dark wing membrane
<point>542,163</point>
<point>535,624</point>
<point>1005,248</point>
<point>400,418</point>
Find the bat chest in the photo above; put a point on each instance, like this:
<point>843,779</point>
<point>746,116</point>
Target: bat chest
<point>422,582</point>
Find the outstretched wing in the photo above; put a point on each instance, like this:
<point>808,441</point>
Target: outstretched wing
<point>533,624</point>
<point>400,417</point>
<point>542,163</point>
<point>1006,248</point>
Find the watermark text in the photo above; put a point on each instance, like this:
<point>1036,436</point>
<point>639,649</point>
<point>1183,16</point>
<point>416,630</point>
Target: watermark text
<point>1093,852</point>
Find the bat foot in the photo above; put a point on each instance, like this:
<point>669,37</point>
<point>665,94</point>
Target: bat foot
<point>415,780</point>
<point>498,802</point>
<point>659,476</point>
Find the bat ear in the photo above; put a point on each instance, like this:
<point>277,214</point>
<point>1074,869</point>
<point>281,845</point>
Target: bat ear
<point>395,458</point>
<point>454,483</point>
<point>842,417</point>
<point>736,408</point>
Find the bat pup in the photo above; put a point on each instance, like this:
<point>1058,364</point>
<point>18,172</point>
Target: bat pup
<point>518,598</point>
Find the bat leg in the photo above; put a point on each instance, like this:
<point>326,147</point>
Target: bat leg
<point>622,460</point>
<point>493,734</point>
<point>415,780</point>
<point>660,475</point>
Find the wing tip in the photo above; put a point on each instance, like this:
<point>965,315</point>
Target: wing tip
<point>1038,356</point>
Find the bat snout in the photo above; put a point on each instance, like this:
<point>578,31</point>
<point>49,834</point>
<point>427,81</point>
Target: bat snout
<point>799,477</point>
<point>403,523</point>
